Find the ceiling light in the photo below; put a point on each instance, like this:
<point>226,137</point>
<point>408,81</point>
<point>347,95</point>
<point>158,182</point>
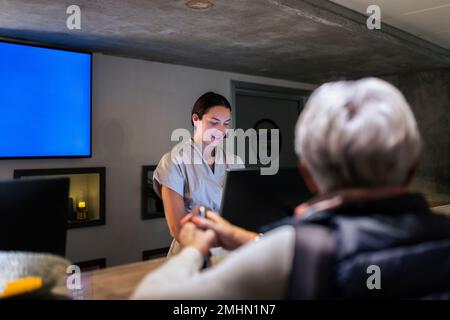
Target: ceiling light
<point>199,4</point>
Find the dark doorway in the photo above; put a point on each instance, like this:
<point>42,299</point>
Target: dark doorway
<point>268,107</point>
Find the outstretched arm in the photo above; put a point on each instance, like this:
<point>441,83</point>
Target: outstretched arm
<point>258,270</point>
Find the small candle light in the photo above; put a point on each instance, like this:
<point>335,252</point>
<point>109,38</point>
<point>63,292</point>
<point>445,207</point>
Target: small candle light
<point>82,204</point>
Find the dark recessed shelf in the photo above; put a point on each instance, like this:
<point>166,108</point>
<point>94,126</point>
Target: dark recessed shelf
<point>155,253</point>
<point>92,265</point>
<point>86,195</point>
<point>151,203</point>
<point>84,223</point>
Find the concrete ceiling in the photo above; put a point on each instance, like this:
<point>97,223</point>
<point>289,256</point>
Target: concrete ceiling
<point>299,40</point>
<point>427,19</point>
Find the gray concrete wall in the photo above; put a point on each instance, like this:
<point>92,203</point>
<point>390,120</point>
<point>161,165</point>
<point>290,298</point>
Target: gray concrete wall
<point>136,105</point>
<point>429,95</point>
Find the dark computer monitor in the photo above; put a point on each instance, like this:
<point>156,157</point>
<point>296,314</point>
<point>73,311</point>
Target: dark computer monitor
<point>251,200</point>
<point>33,215</point>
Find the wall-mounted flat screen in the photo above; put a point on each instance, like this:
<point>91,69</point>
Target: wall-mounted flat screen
<point>45,102</point>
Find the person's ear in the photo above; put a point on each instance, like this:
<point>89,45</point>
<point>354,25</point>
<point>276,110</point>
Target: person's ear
<point>310,183</point>
<point>412,172</point>
<point>195,119</point>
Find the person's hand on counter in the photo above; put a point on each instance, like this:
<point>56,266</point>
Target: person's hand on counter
<point>228,235</point>
<point>200,239</point>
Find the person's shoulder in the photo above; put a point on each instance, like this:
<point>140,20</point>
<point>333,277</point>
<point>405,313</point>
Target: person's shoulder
<point>176,154</point>
<point>166,159</point>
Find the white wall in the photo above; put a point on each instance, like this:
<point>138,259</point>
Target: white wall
<point>136,105</point>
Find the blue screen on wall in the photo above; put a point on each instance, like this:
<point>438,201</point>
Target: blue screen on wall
<point>45,102</point>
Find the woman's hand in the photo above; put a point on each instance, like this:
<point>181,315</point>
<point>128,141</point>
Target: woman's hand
<point>229,236</point>
<point>203,240</point>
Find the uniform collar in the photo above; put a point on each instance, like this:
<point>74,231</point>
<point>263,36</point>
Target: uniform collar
<point>386,202</point>
<point>340,198</point>
<point>218,158</point>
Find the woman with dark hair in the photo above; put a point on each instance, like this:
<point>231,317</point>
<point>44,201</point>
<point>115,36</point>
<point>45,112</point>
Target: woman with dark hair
<point>193,172</point>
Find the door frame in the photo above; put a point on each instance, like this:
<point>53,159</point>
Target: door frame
<point>267,91</point>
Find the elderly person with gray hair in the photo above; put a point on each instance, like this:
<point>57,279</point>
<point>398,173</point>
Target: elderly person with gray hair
<point>363,235</point>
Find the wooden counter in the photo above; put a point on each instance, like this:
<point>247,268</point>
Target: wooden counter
<point>111,283</point>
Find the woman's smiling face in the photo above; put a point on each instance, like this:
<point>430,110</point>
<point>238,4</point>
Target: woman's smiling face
<point>213,126</point>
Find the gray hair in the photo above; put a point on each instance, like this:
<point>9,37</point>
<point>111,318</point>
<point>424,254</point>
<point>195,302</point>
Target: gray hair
<point>357,134</point>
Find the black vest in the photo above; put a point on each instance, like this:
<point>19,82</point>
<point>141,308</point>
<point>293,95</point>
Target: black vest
<point>399,241</point>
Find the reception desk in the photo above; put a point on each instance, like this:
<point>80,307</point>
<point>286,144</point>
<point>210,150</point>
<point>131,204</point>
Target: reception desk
<point>115,283</point>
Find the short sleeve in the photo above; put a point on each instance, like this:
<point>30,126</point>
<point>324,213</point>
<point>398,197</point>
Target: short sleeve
<point>169,174</point>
